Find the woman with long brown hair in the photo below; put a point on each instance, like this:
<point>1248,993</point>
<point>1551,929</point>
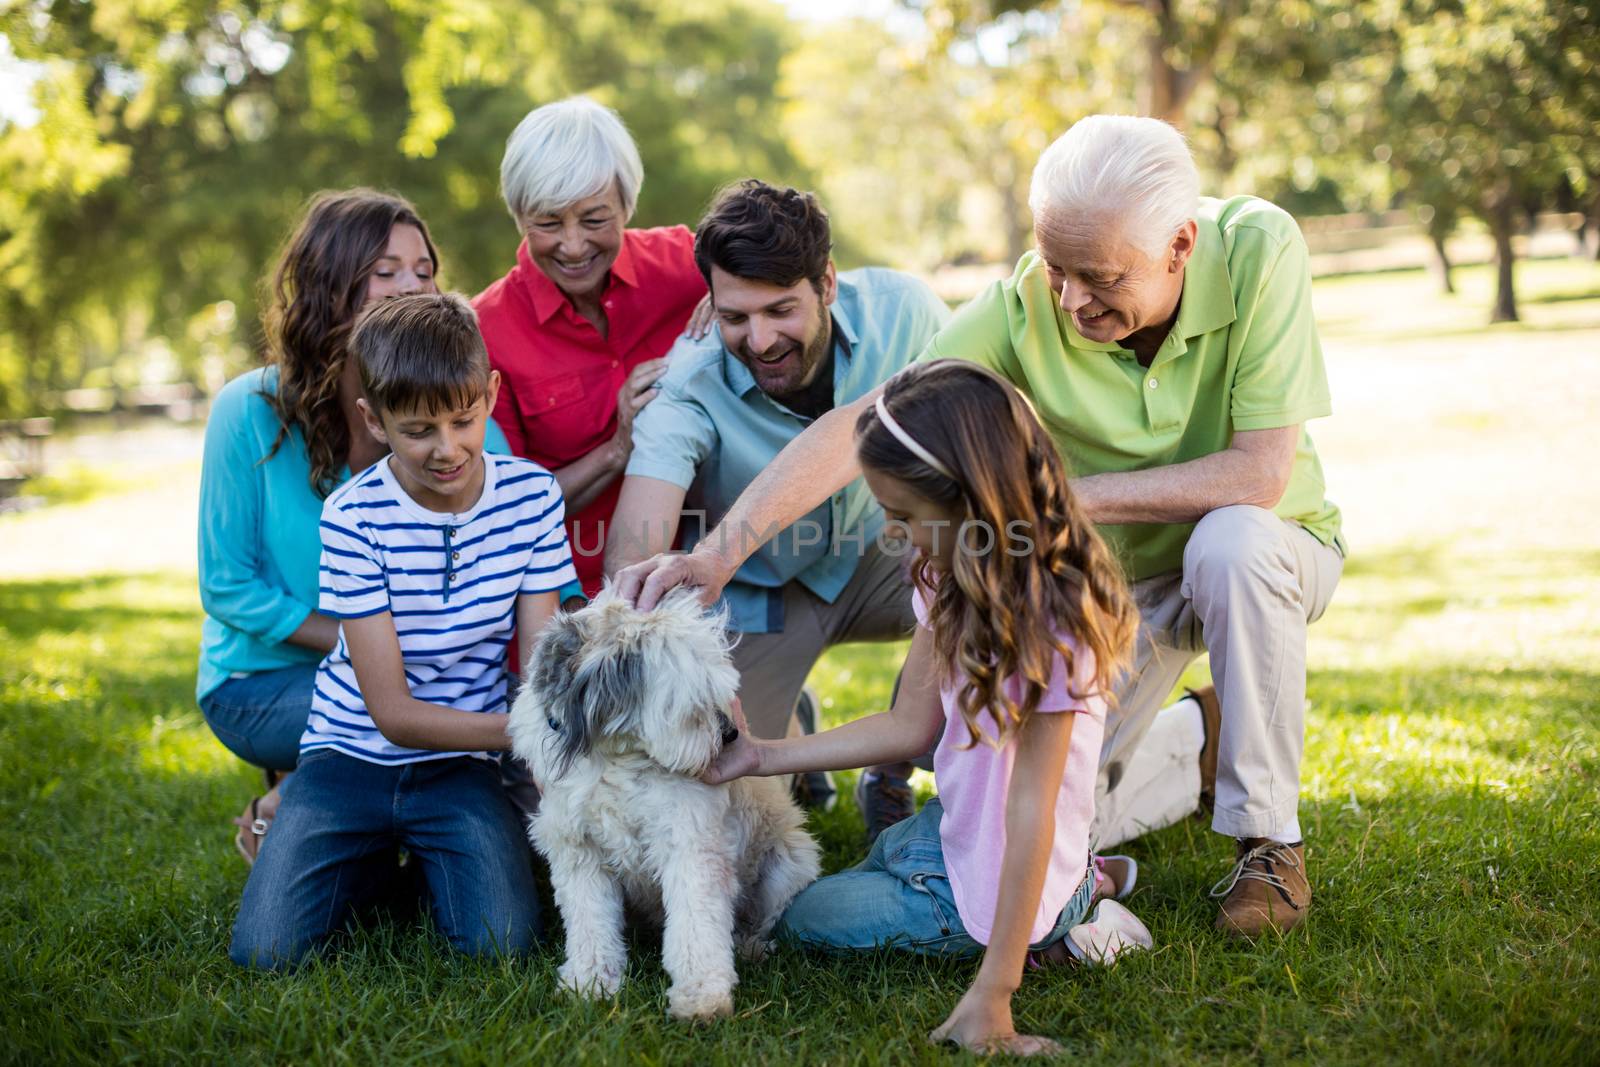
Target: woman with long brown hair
<point>279,439</point>
<point>1024,625</point>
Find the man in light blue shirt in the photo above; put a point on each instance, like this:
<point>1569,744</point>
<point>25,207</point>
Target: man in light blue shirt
<point>795,337</point>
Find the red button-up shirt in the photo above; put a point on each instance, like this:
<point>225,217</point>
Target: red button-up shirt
<point>559,377</point>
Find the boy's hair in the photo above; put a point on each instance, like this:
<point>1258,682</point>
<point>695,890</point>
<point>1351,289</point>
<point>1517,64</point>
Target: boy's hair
<point>758,231</point>
<point>998,612</point>
<point>421,352</point>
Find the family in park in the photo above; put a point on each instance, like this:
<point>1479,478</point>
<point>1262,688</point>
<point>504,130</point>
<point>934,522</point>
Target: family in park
<point>1062,494</point>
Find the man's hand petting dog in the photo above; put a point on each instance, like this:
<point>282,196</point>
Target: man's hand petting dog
<point>645,583</point>
<point>740,758</point>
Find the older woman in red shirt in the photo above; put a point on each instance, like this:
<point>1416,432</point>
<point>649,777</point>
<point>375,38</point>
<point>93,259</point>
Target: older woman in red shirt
<point>580,327</point>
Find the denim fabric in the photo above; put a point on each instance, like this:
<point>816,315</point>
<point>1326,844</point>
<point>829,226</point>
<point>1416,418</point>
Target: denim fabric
<point>335,836</point>
<point>899,897</point>
<point>261,716</point>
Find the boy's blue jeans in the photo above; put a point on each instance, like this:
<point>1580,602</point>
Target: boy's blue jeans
<point>261,716</point>
<point>899,897</point>
<point>332,845</point>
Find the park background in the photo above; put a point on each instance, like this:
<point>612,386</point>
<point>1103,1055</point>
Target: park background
<point>1443,160</point>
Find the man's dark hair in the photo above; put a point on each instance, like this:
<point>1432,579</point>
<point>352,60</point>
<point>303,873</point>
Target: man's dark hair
<point>758,231</point>
<point>421,352</point>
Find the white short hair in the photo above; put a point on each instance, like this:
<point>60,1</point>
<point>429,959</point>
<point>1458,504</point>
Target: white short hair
<point>564,152</point>
<point>1136,170</point>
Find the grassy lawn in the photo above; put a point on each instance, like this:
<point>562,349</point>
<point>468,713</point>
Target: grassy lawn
<point>1450,794</point>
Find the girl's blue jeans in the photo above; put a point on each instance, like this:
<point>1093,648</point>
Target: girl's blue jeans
<point>899,897</point>
<point>261,716</point>
<point>332,848</point>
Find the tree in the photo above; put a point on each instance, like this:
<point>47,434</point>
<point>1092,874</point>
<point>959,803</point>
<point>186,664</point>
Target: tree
<point>1476,104</point>
<point>180,137</point>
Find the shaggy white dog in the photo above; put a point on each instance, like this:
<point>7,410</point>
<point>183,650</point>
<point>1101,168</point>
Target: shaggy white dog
<point>620,711</point>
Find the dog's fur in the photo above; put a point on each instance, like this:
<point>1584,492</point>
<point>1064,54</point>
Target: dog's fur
<point>620,712</point>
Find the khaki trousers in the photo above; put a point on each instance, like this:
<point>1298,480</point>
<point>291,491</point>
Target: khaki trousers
<point>1250,584</point>
<point>874,606</point>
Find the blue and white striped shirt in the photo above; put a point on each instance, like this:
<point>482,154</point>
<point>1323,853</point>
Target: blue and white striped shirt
<point>451,583</point>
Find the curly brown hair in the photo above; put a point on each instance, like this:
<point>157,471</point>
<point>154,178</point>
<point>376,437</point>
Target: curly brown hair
<point>312,299</point>
<point>1005,606</point>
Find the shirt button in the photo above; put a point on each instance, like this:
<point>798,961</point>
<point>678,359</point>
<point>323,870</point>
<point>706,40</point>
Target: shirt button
<point>552,402</point>
<point>613,364</point>
<point>452,577</point>
<point>455,555</point>
<point>1154,383</point>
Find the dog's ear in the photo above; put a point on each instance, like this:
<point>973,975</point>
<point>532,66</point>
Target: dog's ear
<point>557,679</point>
<point>614,691</point>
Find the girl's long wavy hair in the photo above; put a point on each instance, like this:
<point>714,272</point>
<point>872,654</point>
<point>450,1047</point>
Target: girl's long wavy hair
<point>998,613</point>
<point>312,299</point>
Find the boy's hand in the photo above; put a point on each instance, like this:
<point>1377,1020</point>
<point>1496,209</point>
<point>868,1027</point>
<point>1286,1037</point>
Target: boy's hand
<point>740,757</point>
<point>982,1023</point>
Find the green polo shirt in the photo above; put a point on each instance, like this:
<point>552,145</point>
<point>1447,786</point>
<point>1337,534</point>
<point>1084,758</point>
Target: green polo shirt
<point>1242,355</point>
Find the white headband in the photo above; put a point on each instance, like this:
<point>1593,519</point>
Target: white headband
<point>910,442</point>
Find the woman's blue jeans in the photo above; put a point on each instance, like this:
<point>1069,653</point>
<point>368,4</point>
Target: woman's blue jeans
<point>261,716</point>
<point>333,843</point>
<point>899,897</point>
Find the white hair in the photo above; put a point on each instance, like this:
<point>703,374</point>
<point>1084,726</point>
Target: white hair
<point>1137,171</point>
<point>564,152</point>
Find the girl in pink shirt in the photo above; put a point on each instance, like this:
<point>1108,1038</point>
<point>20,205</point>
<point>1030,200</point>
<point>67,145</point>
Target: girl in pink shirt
<point>1025,621</point>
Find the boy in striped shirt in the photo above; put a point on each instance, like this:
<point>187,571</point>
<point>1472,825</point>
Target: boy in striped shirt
<point>431,558</point>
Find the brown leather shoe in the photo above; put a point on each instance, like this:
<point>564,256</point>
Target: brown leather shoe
<point>1266,890</point>
<point>1211,719</point>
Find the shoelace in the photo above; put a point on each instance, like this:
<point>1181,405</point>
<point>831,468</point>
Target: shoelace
<point>1242,870</point>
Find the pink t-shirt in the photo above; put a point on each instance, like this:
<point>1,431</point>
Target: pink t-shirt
<point>973,784</point>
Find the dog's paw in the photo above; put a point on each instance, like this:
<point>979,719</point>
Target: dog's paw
<point>699,1003</point>
<point>595,980</point>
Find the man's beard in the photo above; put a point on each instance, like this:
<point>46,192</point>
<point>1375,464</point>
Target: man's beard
<point>810,358</point>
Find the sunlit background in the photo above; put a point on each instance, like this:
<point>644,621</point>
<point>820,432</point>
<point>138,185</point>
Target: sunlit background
<point>154,152</point>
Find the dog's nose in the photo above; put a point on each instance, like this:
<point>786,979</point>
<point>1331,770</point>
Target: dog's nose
<point>730,732</point>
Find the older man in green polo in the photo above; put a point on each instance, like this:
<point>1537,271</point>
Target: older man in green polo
<point>1167,343</point>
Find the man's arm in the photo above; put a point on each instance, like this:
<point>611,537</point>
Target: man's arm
<point>810,469</point>
<point>645,522</point>
<point>400,717</point>
<point>1254,469</point>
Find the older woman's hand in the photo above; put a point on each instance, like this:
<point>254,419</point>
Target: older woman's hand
<point>700,318</point>
<point>636,392</point>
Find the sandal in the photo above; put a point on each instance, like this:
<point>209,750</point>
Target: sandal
<point>1129,877</point>
<point>252,828</point>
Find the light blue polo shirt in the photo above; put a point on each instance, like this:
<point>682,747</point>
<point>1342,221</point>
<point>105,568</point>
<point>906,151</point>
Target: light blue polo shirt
<point>712,430</point>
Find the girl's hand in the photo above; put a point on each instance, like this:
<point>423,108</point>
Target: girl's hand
<point>982,1023</point>
<point>740,757</point>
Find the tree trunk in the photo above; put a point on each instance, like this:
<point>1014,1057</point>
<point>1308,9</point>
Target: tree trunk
<point>1441,264</point>
<point>1594,227</point>
<point>1166,88</point>
<point>1502,225</point>
<point>1014,207</point>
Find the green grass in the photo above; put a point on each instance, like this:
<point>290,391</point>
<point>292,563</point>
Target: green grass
<point>1451,811</point>
<point>1451,787</point>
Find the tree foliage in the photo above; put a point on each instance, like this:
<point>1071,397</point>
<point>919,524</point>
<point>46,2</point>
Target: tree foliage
<point>178,139</point>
